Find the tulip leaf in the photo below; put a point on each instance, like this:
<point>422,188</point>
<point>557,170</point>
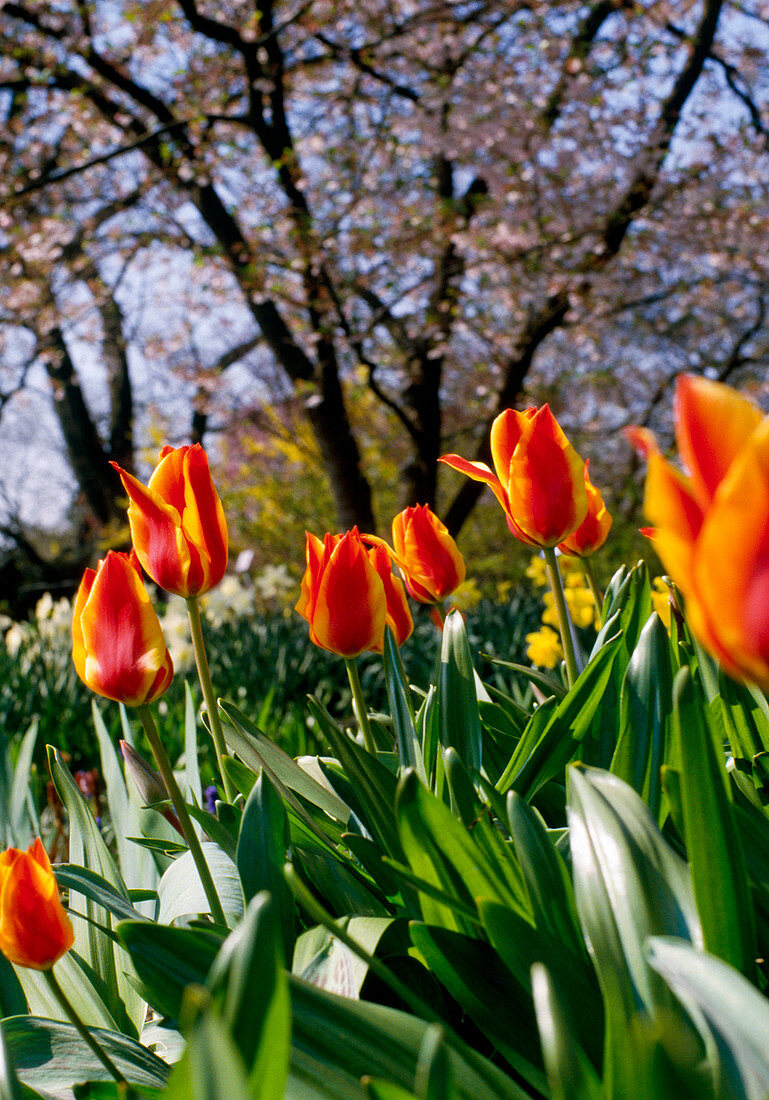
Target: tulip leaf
<point>336,1041</point>
<point>321,958</point>
<point>713,841</point>
<point>15,790</point>
<point>261,853</point>
<point>406,740</point>
<point>645,715</point>
<point>477,979</point>
<point>736,1013</point>
<point>443,852</point>
<point>248,981</point>
<point>570,1073</point>
<point>10,1086</point>
<point>259,752</point>
<point>191,768</point>
<point>555,732</point>
<point>374,784</point>
<point>745,718</point>
<point>88,849</point>
<point>50,1055</point>
<point>93,886</point>
<point>181,892</point>
<point>628,885</point>
<point>210,1067</point>
<point>460,723</point>
<point>167,960</point>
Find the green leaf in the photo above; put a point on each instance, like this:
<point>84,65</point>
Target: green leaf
<point>97,889</point>
<point>476,978</point>
<point>249,981</point>
<point>459,720</point>
<point>570,1073</point>
<point>191,766</point>
<point>374,784</point>
<point>406,740</point>
<point>553,736</point>
<point>440,850</point>
<point>262,846</point>
<point>628,885</point>
<point>736,1013</point>
<point>645,715</point>
<point>322,958</point>
<point>51,1056</point>
<point>18,816</point>
<point>211,1067</point>
<point>167,960</point>
<point>181,892</point>
<point>259,752</point>
<point>338,1041</point>
<point>87,849</point>
<point>713,841</point>
<point>10,1086</point>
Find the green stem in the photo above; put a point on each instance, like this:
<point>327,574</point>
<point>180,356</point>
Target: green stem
<point>359,704</point>
<point>180,806</point>
<point>81,1029</point>
<point>206,684</point>
<point>556,584</point>
<point>587,565</point>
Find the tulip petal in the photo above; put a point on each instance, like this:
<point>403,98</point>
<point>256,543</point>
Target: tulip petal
<point>712,423</point>
<point>427,554</point>
<point>157,535</point>
<point>729,607</point>
<point>397,611</point>
<point>594,529</point>
<point>126,656</point>
<point>546,491</point>
<point>35,931</point>
<point>478,471</point>
<point>677,517</point>
<point>203,519</point>
<point>506,432</point>
<point>350,606</point>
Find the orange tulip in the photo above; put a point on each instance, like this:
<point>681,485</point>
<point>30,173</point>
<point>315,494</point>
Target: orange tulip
<point>594,529</point>
<point>539,478</point>
<point>118,645</point>
<point>177,522</point>
<point>427,555</point>
<point>711,523</point>
<point>34,929</point>
<point>349,594</point>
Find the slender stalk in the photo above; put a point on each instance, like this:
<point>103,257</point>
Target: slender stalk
<point>587,565</point>
<point>180,806</point>
<point>82,1030</point>
<point>567,642</point>
<point>359,704</point>
<point>206,684</point>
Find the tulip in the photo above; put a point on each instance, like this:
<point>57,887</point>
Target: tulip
<point>711,522</point>
<point>349,594</point>
<point>177,522</point>
<point>34,929</point>
<point>538,477</point>
<point>428,556</point>
<point>594,529</point>
<point>118,645</point>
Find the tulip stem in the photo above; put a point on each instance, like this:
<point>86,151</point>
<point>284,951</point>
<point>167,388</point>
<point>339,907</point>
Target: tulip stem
<point>81,1029</point>
<point>359,704</point>
<point>592,585</point>
<point>567,642</point>
<point>180,806</point>
<point>204,675</point>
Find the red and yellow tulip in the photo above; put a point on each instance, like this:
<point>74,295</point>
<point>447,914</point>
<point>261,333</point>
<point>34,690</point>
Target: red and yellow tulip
<point>118,645</point>
<point>711,522</point>
<point>594,529</point>
<point>349,593</point>
<point>538,477</point>
<point>34,929</point>
<point>428,556</point>
<point>177,522</point>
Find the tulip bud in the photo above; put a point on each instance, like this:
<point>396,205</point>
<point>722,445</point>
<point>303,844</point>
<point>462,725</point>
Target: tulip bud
<point>35,931</point>
<point>538,479</point>
<point>118,645</point>
<point>177,522</point>
<point>427,555</point>
<point>149,783</point>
